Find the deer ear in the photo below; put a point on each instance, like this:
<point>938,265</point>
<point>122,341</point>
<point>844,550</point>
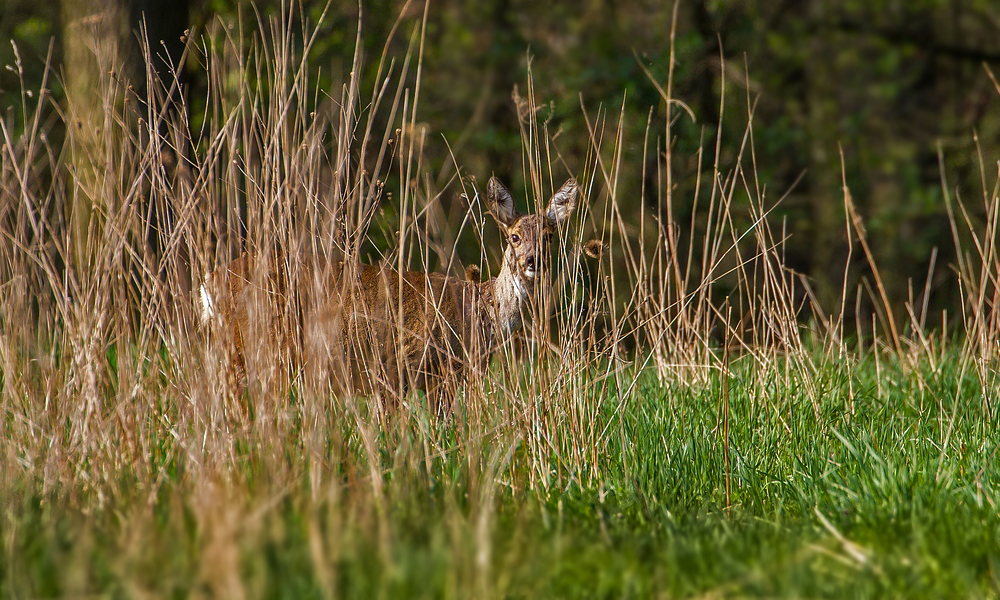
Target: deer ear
<point>563,202</point>
<point>500,203</point>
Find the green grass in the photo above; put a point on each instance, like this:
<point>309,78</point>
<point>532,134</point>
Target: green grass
<point>891,491</point>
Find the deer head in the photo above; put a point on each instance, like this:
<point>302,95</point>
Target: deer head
<point>528,236</point>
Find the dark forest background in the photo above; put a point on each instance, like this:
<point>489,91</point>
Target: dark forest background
<point>896,85</point>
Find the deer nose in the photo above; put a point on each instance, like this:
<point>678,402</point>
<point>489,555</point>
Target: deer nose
<point>530,262</point>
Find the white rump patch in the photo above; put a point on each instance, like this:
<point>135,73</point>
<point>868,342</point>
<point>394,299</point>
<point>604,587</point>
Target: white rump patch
<point>207,304</point>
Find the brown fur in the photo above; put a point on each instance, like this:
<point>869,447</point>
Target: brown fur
<point>368,329</point>
<point>473,274</point>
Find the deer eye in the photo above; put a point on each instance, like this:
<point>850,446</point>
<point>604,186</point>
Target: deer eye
<point>515,239</point>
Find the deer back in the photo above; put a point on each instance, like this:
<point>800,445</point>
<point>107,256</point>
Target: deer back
<point>365,328</point>
<point>378,330</point>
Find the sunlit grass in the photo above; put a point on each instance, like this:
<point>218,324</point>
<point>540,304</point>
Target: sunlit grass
<point>888,493</point>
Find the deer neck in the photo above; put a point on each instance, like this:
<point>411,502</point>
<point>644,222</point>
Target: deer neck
<point>509,292</point>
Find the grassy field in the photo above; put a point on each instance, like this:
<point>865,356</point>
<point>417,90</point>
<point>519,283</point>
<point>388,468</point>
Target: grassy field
<point>890,490</point>
<point>679,419</point>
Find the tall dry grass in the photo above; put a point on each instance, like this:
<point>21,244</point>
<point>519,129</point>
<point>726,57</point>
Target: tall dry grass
<point>112,394</point>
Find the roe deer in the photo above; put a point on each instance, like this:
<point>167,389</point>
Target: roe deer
<point>372,329</point>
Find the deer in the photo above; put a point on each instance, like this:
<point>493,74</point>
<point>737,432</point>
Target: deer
<point>372,329</point>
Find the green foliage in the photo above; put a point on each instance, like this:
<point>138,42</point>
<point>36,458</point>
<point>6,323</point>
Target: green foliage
<point>26,30</point>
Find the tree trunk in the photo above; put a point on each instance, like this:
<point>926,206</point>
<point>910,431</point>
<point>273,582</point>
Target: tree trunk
<point>102,59</point>
<point>95,34</point>
<point>824,184</point>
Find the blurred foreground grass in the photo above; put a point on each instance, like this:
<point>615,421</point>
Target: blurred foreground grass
<point>886,485</point>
